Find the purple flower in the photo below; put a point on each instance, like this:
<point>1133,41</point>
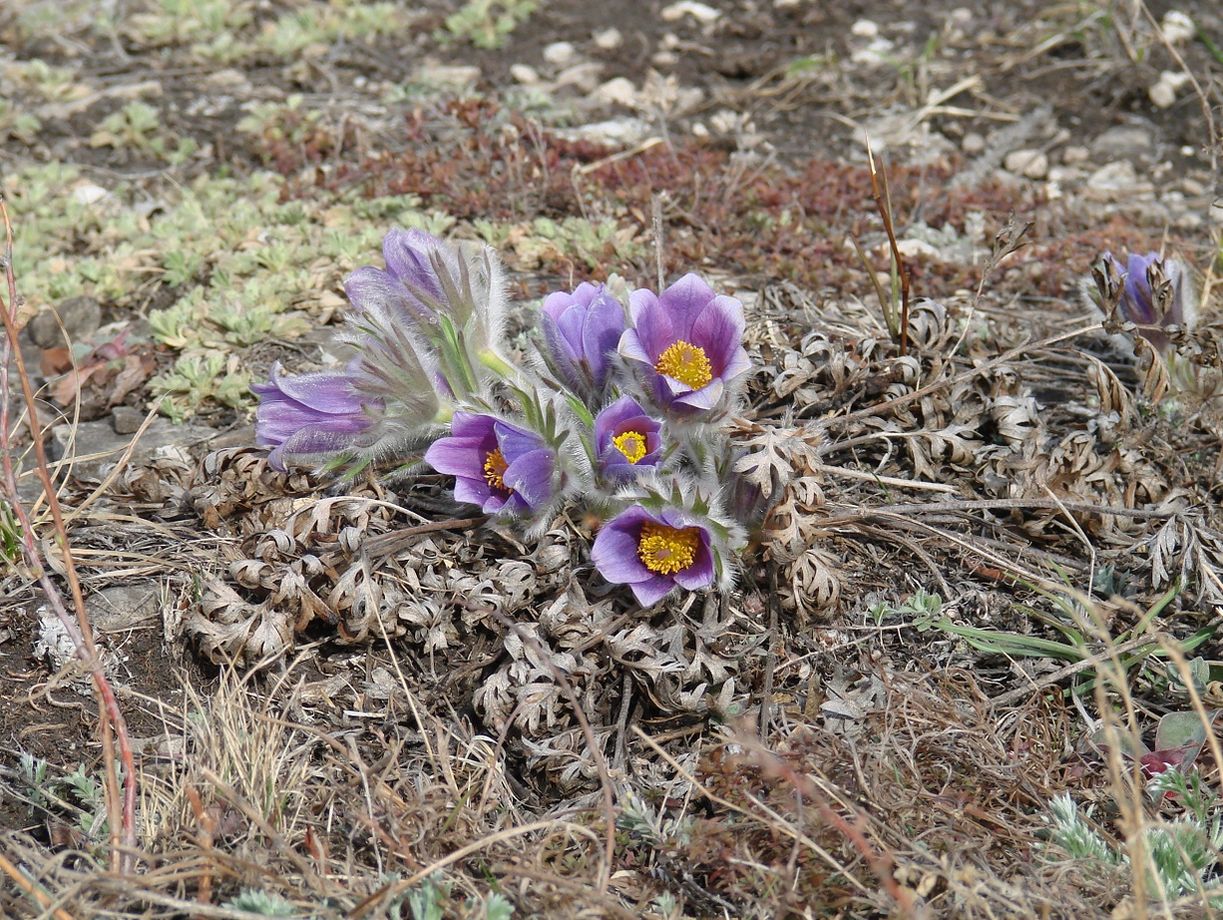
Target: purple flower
<point>409,280</point>
<point>1156,292</point>
<point>689,341</point>
<point>580,329</point>
<point>653,553</point>
<point>311,415</point>
<point>626,439</point>
<point>496,465</point>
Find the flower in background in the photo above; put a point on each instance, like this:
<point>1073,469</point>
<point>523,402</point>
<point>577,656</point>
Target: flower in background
<point>496,465</point>
<point>580,330</point>
<point>409,289</point>
<point>689,343</point>
<point>652,554</point>
<point>314,416</point>
<point>1156,292</point>
<point>626,438</point>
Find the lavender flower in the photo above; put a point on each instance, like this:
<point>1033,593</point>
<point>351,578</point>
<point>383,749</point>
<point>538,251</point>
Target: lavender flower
<point>689,342</point>
<point>1157,292</point>
<point>626,439</point>
<point>312,415</point>
<point>496,465</point>
<point>409,288</point>
<point>580,330</point>
<point>654,553</point>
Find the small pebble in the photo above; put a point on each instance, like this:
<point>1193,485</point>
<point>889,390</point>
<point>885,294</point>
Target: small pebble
<point>608,39</point>
<point>125,419</point>
<point>1177,27</point>
<point>1075,154</point>
<point>973,143</point>
<point>559,53</point>
<point>865,28</point>
<point>617,91</point>
<point>524,73</point>
<point>1031,163</point>
<point>701,12</point>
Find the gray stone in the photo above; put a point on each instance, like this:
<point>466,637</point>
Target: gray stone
<point>1031,163</point>
<point>126,420</point>
<point>559,54</point>
<point>524,74</point>
<point>123,607</point>
<point>608,39</point>
<point>1123,141</point>
<point>1075,154</point>
<point>615,132</point>
<point>617,91</point>
<point>80,317</point>
<point>973,143</point>
<point>96,447</point>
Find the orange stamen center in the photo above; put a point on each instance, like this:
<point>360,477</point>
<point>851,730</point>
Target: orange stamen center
<point>687,363</point>
<point>667,550</point>
<point>494,470</point>
<point>631,444</point>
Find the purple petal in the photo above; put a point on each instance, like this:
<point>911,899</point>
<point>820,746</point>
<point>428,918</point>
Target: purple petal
<point>329,393</point>
<point>684,301</point>
<point>718,329</point>
<point>600,333</point>
<point>649,593</point>
<point>530,476</point>
<point>653,323</point>
<point>407,252</point>
<point>471,425</point>
<point>463,457</point>
<point>615,550</point>
<point>631,348</point>
<point>700,573</point>
<point>705,398</point>
<point>515,441</point>
<point>738,365</point>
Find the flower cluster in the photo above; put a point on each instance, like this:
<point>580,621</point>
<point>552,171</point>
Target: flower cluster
<point>619,406</point>
<point>1149,291</point>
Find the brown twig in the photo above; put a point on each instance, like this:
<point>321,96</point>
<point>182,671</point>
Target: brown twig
<point>883,203</point>
<point>123,843</point>
<point>22,881</point>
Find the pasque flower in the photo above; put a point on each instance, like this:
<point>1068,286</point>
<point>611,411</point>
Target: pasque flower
<point>496,465</point>
<point>653,553</point>
<point>1156,292</point>
<point>312,416</point>
<point>580,330</point>
<point>409,287</point>
<point>688,342</point>
<point>626,438</point>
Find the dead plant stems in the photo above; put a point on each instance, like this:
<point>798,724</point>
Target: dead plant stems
<point>122,816</point>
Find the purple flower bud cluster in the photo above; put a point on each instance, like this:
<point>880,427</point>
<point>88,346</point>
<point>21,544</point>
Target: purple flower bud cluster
<point>1149,291</point>
<point>618,406</point>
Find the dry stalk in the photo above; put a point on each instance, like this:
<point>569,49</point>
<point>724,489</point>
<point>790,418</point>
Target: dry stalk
<point>122,815</point>
<point>883,202</point>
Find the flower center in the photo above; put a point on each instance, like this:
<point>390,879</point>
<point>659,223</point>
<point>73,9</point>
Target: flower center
<point>667,550</point>
<point>494,470</point>
<point>687,363</point>
<point>631,444</point>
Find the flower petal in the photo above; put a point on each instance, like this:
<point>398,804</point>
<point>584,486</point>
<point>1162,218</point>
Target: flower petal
<point>530,476</point>
<point>462,457</point>
<point>700,573</point>
<point>718,329</point>
<point>615,552</point>
<point>649,593</point>
<point>684,301</point>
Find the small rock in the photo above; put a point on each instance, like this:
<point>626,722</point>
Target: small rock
<point>458,77</point>
<point>87,193</point>
<point>123,607</point>
<point>97,447</point>
<point>864,28</point>
<point>1031,163</point>
<point>559,54</point>
<point>1163,93</point>
<point>616,132</point>
<point>125,419</point>
<point>973,143</point>
<point>524,73</point>
<point>1177,27</point>
<point>911,248</point>
<point>1123,141</point>
<point>1192,186</point>
<point>617,91</point>
<point>608,39</point>
<point>874,54</point>
<point>584,75</point>
<point>228,79</point>
<point>664,59</point>
<point>701,12</point>
<point>80,317</point>
<point>1114,182</point>
<point>699,130</point>
<point>1216,212</point>
<point>1075,154</point>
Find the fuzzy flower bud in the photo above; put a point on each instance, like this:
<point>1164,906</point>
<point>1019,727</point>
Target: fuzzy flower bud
<point>1155,292</point>
<point>580,331</point>
<point>313,417</point>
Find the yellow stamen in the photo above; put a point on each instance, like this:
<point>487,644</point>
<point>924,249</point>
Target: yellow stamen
<point>631,444</point>
<point>667,550</point>
<point>494,469</point>
<point>687,363</point>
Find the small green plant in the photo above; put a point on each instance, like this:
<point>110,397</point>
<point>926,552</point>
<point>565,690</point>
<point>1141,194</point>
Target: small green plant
<point>10,534</point>
<point>922,607</point>
<point>1181,852</point>
<point>487,23</point>
<point>197,378</point>
<point>77,798</point>
<point>137,127</point>
<point>263,903</point>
